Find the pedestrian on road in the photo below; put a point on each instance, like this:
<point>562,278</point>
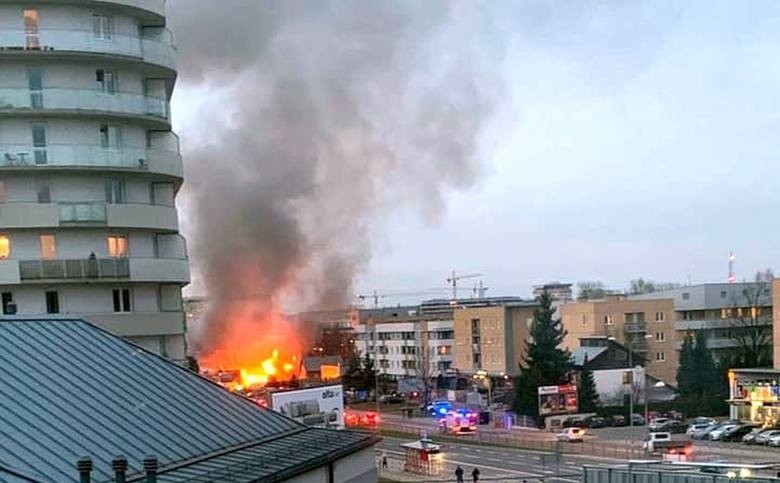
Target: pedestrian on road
<point>475,475</point>
<point>459,474</point>
<point>384,461</point>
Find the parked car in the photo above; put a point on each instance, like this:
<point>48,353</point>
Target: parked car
<point>736,434</point>
<point>617,420</point>
<point>656,423</point>
<point>763,437</point>
<point>673,426</point>
<point>573,423</point>
<point>571,435</point>
<point>394,398</point>
<point>638,419</point>
<point>662,441</point>
<point>696,427</point>
<point>718,432</point>
<point>595,422</point>
<point>750,438</point>
<point>774,440</point>
<point>703,420</point>
<point>704,433</point>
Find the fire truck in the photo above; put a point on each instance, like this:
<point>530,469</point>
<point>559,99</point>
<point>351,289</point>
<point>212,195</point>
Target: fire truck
<point>459,421</point>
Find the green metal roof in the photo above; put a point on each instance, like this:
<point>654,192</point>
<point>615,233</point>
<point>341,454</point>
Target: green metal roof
<point>70,389</point>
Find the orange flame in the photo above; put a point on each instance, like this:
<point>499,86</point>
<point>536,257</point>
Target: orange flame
<point>262,346</point>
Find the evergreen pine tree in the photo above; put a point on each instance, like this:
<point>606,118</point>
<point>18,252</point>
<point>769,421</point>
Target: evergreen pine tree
<point>686,372</point>
<point>586,390</point>
<point>544,362</point>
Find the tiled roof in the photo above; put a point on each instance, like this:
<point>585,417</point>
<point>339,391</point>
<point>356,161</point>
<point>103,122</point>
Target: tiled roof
<point>71,389</point>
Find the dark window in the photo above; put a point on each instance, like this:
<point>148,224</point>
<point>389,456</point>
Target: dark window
<point>52,302</point>
<point>8,299</point>
<point>686,296</point>
<point>121,299</point>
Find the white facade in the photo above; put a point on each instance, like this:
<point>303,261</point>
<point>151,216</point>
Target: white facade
<point>90,169</point>
<point>416,348</point>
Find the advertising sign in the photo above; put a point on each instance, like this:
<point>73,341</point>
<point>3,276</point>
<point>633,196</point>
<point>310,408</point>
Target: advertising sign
<point>321,406</point>
<point>560,399</point>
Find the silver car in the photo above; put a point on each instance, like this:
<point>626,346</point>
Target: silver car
<point>763,438</point>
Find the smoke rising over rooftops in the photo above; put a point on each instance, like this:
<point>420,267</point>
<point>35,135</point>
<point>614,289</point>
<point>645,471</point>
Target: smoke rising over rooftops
<point>324,115</point>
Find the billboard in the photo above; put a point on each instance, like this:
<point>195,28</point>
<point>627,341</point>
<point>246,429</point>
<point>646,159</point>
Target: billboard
<point>561,399</point>
<point>321,406</point>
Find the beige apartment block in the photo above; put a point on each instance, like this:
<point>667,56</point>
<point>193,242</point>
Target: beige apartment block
<point>776,327</point>
<point>647,327</point>
<point>492,338</point>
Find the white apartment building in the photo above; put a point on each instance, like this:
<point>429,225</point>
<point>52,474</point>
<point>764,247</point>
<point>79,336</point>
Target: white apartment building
<point>411,346</point>
<point>90,169</point>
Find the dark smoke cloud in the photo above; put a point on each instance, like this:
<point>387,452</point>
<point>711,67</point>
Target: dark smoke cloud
<point>325,115</point>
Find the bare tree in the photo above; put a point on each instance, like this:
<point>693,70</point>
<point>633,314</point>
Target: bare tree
<point>590,290</point>
<point>750,325</point>
<point>764,276</point>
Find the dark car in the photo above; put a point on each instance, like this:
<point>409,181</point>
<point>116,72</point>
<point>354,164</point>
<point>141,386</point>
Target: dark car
<point>573,423</point>
<point>736,434</point>
<point>673,426</point>
<point>617,420</point>
<point>637,419</point>
<point>595,422</point>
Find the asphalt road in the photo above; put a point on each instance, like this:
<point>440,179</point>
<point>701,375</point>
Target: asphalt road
<point>498,463</point>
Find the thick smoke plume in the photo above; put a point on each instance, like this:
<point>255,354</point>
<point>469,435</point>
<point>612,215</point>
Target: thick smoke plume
<point>322,116</point>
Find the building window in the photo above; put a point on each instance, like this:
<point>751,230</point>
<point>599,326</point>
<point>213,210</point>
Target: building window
<point>31,22</point>
<point>52,302</point>
<point>35,85</point>
<point>723,294</point>
<point>48,247</point>
<point>121,300</point>
<point>110,137</point>
<point>660,316</point>
<point>474,326</point>
<point>686,296</point>
<point>477,359</point>
<point>102,26</point>
<point>5,246</point>
<point>660,356</point>
<point>106,80</point>
<point>660,336</point>
<point>584,320</point>
<point>43,189</point>
<point>609,320</point>
<point>8,300</point>
<point>115,191</point>
<point>2,191</point>
<point>117,246</point>
<point>444,350</point>
<point>39,142</point>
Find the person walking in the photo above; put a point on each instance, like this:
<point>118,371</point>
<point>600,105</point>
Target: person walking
<point>459,474</point>
<point>384,461</point>
<point>475,475</point>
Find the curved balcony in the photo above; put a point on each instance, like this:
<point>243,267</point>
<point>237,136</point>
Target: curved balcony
<point>76,101</point>
<point>170,270</point>
<point>154,46</point>
<point>89,214</point>
<point>85,156</point>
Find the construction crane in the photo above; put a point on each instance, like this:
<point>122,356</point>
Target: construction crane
<point>376,296</point>
<point>453,281</point>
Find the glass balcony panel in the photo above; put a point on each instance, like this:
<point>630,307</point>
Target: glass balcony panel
<point>154,46</point>
<point>84,99</point>
<point>82,212</point>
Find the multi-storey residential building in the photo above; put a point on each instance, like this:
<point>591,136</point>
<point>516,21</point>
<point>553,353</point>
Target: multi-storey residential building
<point>560,292</point>
<point>405,343</point>
<point>658,322</point>
<point>492,338</point>
<point>776,327</point>
<point>89,168</point>
<point>644,326</point>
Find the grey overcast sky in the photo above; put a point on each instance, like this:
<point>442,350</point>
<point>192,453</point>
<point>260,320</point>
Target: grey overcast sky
<point>633,139</point>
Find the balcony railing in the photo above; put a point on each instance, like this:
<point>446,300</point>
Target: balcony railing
<point>635,327</point>
<point>90,156</point>
<point>83,99</point>
<point>87,268</point>
<point>154,46</point>
<point>83,212</point>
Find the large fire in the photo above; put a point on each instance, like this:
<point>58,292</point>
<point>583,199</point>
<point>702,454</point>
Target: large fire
<point>263,346</point>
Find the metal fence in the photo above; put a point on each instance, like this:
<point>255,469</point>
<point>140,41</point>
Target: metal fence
<point>592,474</point>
